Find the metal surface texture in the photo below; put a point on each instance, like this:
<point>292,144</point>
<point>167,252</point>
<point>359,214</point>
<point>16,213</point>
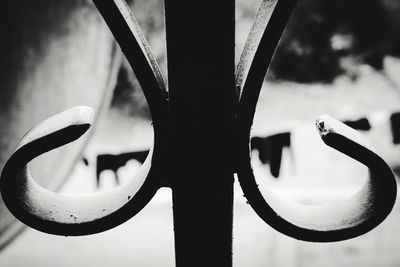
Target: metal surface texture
<point>204,112</point>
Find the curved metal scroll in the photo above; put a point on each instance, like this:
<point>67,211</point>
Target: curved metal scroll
<point>53,213</point>
<point>64,215</point>
<point>344,220</point>
<point>326,223</point>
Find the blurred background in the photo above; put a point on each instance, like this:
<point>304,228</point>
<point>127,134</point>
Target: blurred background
<point>339,57</point>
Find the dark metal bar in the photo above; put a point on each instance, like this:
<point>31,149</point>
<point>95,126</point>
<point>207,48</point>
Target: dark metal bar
<point>256,57</point>
<point>119,18</point>
<point>200,49</point>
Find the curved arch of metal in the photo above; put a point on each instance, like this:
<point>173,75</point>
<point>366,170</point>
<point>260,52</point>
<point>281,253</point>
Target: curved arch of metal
<point>54,213</point>
<point>334,222</point>
<point>344,220</point>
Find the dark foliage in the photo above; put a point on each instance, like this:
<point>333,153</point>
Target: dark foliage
<point>322,34</point>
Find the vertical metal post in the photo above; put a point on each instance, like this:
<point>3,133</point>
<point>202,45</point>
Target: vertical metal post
<point>200,49</point>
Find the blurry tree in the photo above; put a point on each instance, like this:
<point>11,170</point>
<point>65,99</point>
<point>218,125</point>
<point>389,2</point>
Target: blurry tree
<point>326,38</point>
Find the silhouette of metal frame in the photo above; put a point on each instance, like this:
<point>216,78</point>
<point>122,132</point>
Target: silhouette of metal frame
<point>202,126</point>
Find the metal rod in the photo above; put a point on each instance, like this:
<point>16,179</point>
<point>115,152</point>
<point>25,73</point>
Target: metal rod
<point>200,49</point>
<point>123,25</point>
<point>256,57</point>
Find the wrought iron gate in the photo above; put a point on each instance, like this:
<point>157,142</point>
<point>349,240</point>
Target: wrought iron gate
<point>202,127</point>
